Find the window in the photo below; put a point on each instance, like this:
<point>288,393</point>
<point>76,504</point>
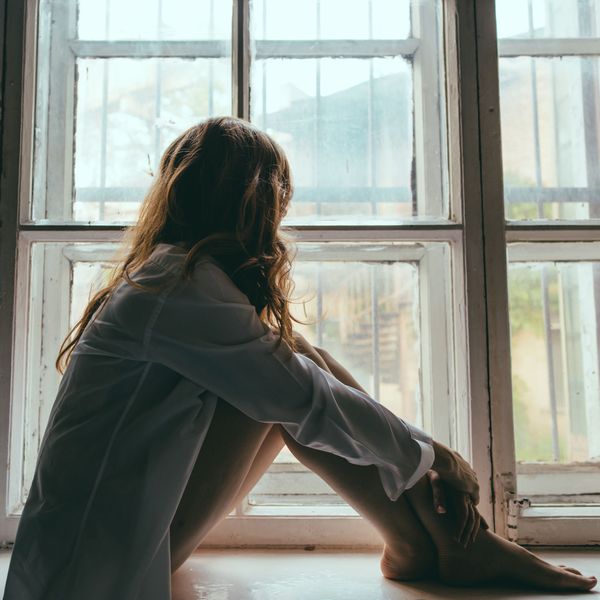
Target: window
<point>393,134</point>
<point>549,85</point>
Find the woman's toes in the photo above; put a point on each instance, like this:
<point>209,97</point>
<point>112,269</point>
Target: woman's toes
<point>590,582</point>
<point>573,579</point>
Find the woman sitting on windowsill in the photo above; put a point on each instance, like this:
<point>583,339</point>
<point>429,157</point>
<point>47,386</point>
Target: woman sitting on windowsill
<point>184,379</point>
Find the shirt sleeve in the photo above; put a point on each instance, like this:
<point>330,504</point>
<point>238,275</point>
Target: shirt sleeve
<point>206,329</point>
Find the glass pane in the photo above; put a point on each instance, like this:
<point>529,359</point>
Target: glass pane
<point>366,304</point>
<point>362,124</point>
<point>107,106</point>
<point>294,20</point>
<point>128,111</point>
<point>377,319</point>
<point>154,20</point>
<point>62,278</point>
<point>551,137</point>
<point>555,318</point>
<point>369,323</point>
<point>343,165</point>
<point>547,18</point>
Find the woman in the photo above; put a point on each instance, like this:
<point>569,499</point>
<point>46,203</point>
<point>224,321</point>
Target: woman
<point>183,380</point>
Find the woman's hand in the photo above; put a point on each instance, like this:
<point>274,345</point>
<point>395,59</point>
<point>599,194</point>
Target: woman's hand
<point>460,509</point>
<point>456,491</point>
<point>455,471</point>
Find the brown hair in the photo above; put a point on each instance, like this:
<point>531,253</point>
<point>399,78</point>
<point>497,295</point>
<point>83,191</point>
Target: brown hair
<point>222,189</point>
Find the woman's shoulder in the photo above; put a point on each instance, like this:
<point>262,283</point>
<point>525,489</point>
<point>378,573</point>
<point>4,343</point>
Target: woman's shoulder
<point>172,257</point>
<point>208,277</point>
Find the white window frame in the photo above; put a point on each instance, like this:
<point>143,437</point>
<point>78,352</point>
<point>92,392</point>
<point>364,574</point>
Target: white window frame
<point>478,238</point>
<point>465,237</point>
<point>570,520</point>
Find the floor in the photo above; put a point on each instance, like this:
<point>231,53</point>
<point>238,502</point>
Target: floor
<point>324,575</point>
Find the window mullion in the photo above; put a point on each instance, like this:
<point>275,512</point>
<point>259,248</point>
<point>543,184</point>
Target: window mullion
<point>495,266</point>
<point>61,115</point>
<point>470,62</point>
<point>428,116</point>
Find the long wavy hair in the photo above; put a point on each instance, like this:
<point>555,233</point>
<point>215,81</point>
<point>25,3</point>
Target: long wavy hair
<point>222,189</point>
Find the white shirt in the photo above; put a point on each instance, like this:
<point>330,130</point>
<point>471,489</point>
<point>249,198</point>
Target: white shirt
<point>131,415</point>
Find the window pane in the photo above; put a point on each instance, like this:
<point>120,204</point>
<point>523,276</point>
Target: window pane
<point>383,319</point>
<point>154,20</point>
<point>550,137</point>
<point>547,18</point>
<point>327,138</point>
<point>368,321</point>
<point>297,20</point>
<point>61,279</point>
<point>362,122</point>
<point>381,310</point>
<point>550,102</point>
<point>128,111</point>
<point>111,95</point>
<point>555,318</point>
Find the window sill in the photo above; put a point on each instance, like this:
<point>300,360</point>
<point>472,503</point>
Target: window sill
<point>559,525</point>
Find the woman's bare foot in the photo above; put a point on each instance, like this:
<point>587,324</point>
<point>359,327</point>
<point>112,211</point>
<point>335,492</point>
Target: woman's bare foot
<point>494,559</point>
<point>490,558</point>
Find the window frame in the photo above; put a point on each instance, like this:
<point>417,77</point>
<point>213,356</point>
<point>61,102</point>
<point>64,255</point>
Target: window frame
<point>464,182</point>
<point>539,240</point>
<point>484,412</point>
<point>564,524</point>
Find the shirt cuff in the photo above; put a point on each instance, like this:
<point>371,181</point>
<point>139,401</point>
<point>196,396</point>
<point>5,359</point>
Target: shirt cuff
<point>392,480</point>
<point>427,458</point>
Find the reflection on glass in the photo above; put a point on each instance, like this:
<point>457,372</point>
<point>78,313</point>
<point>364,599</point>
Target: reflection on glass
<point>128,111</point>
<point>547,18</point>
<point>551,137</point>
<point>554,318</point>
<point>345,158</point>
<point>154,20</point>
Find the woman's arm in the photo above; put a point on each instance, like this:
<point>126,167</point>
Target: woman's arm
<point>206,330</point>
<point>448,467</point>
<point>338,370</point>
<point>454,469</point>
<point>324,360</point>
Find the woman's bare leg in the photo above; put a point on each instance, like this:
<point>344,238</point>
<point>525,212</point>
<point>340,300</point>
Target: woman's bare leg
<point>226,472</point>
<point>419,542</point>
<point>409,552</point>
<point>236,451</point>
<point>408,531</point>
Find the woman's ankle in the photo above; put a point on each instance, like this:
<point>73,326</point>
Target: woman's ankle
<point>408,562</point>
